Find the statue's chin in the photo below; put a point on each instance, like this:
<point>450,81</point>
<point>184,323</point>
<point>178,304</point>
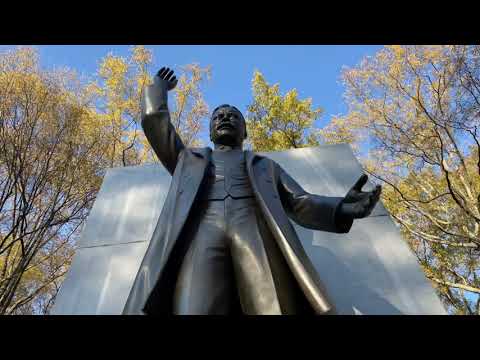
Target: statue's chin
<point>225,138</point>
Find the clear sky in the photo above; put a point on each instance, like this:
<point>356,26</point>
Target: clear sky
<point>314,70</point>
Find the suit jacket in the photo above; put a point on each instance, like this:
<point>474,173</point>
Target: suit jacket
<point>278,196</point>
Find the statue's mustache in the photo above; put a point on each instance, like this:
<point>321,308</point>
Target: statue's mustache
<point>225,124</point>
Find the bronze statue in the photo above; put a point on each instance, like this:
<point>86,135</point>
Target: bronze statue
<point>223,243</point>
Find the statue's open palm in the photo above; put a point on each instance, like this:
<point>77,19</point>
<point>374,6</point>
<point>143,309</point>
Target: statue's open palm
<point>166,77</point>
<point>156,95</point>
<point>359,204</point>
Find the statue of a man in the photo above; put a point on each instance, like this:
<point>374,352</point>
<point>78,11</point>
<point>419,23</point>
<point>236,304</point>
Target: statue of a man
<point>223,243</point>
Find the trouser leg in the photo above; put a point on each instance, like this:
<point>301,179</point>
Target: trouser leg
<point>253,275</point>
<point>205,284</point>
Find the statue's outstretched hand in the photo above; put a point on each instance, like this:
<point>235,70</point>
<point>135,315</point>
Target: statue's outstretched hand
<point>359,204</point>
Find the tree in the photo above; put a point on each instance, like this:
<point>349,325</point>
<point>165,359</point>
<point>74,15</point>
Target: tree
<point>414,121</point>
<point>58,135</point>
<point>276,122</point>
<point>119,89</point>
<point>49,175</point>
<point>190,111</point>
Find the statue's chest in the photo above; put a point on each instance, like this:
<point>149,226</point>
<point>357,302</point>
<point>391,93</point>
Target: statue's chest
<point>227,175</point>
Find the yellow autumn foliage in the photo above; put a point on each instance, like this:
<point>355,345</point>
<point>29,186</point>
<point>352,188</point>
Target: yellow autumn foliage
<point>58,135</point>
<point>278,122</point>
<point>413,121</point>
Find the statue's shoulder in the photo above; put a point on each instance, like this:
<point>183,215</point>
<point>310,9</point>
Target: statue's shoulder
<point>202,151</point>
<point>260,158</point>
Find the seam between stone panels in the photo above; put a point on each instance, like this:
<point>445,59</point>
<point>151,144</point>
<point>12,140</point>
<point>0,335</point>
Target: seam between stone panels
<point>111,244</point>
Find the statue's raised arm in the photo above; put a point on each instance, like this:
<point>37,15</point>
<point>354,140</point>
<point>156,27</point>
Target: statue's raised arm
<point>155,119</point>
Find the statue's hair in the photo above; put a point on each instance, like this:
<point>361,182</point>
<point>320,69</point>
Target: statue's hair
<point>225,106</point>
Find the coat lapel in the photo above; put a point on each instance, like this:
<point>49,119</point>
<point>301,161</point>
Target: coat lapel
<point>184,186</point>
<point>263,178</point>
<point>191,177</point>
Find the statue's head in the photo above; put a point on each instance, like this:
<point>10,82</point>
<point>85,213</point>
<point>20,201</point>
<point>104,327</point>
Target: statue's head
<point>227,126</point>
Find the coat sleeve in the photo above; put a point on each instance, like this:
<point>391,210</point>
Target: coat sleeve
<point>160,133</point>
<point>309,210</point>
<point>162,137</point>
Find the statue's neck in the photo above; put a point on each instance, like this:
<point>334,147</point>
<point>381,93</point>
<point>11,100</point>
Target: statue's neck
<point>221,147</point>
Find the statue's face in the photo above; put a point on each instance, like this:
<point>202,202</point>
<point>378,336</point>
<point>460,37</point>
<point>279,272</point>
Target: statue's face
<point>227,126</point>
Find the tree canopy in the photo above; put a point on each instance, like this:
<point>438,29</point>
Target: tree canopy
<point>414,122</point>
<point>58,135</point>
<point>279,122</point>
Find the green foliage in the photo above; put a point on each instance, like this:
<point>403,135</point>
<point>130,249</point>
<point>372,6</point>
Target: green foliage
<point>276,122</point>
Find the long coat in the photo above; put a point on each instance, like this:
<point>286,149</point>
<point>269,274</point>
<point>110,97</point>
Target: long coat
<point>278,197</point>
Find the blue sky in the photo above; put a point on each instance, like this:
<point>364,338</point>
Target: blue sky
<point>314,70</point>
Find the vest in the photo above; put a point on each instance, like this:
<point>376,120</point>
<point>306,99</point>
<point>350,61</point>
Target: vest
<point>226,175</point>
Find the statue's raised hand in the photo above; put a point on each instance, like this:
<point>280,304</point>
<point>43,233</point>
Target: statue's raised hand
<point>359,204</point>
<point>156,95</point>
<point>166,78</point>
